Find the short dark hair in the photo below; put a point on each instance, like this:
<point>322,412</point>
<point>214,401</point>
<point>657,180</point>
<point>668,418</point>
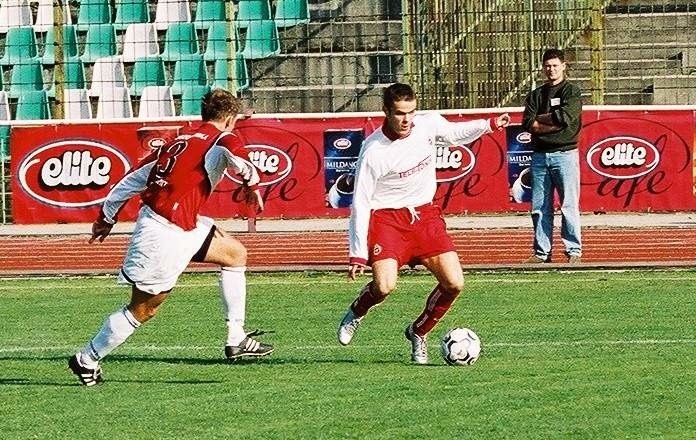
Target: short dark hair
<point>397,92</point>
<point>550,54</point>
<point>218,104</point>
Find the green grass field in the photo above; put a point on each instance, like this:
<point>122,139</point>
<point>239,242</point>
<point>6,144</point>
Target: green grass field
<point>566,355</point>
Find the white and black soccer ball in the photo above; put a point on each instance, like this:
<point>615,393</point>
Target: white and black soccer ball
<point>460,346</point>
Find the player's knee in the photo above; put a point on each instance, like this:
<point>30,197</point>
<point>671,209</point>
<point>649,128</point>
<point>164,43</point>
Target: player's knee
<point>452,287</point>
<point>235,253</point>
<point>383,288</point>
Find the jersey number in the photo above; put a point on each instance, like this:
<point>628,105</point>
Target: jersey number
<point>166,159</point>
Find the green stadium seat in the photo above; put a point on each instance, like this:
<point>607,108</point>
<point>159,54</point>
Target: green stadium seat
<point>20,46</point>
<point>289,13</point>
<point>251,12</point>
<point>261,41</point>
<point>100,42</point>
<point>191,99</point>
<point>209,12</point>
<point>33,104</point>
<point>147,71</point>
<point>218,41</point>
<point>26,77</point>
<point>69,45</point>
<point>220,74</point>
<point>189,72</point>
<point>73,76</point>
<point>131,11</point>
<point>5,137</point>
<point>93,12</point>
<point>180,41</point>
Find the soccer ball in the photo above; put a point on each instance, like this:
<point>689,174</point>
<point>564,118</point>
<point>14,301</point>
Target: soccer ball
<point>460,346</point>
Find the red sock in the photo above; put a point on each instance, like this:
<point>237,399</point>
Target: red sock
<point>437,305</point>
<point>365,301</point>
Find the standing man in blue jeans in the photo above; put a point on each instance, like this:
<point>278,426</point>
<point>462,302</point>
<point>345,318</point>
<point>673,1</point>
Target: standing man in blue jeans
<point>552,115</point>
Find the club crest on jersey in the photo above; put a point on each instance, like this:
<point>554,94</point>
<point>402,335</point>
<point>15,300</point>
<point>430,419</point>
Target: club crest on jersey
<point>377,250</point>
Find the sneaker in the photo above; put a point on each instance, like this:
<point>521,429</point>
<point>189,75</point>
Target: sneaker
<point>349,324</point>
<point>419,346</point>
<point>86,376</point>
<point>247,347</point>
<point>574,259</point>
<point>534,259</point>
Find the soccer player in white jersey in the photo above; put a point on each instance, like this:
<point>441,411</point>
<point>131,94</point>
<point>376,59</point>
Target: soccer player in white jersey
<point>393,218</point>
<point>173,183</point>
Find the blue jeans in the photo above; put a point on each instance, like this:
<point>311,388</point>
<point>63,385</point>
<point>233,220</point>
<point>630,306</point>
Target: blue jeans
<point>556,172</point>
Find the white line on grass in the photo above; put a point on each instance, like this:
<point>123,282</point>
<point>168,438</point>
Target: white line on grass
<point>141,348</point>
<point>283,282</point>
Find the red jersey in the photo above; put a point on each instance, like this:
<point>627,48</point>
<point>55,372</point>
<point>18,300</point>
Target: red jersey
<point>179,177</point>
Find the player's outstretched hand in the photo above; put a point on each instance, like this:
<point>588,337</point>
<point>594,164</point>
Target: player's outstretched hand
<point>502,121</point>
<point>100,230</point>
<point>355,269</point>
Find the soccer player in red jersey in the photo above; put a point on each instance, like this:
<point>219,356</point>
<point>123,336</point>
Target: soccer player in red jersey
<point>393,218</point>
<point>173,183</point>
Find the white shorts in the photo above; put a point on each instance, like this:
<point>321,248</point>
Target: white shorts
<point>159,251</point>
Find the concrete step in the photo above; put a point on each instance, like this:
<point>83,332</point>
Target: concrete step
<point>324,99</point>
<point>637,6</point>
<point>646,28</point>
<point>635,51</point>
<point>326,69</point>
<point>342,36</point>
<point>680,89</point>
<point>355,9</point>
<point>621,68</point>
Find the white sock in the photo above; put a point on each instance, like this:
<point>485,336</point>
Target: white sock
<point>114,332</point>
<point>233,294</point>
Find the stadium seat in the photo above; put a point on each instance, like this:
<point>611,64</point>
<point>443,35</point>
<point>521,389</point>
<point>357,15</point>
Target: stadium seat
<point>26,77</point>
<point>156,102</point>
<point>93,12</point>
<point>189,72</point>
<point>191,99</point>
<point>261,41</point>
<point>140,40</point>
<point>4,109</point>
<point>289,13</point>
<point>209,12</point>
<point>20,46</point>
<point>100,42</point>
<point>44,16</point>
<point>148,71</point>
<point>73,76</point>
<point>171,11</point>
<point>69,44</point>
<point>180,41</point>
<point>131,11</point>
<point>252,11</point>
<point>220,77</point>
<point>217,43</point>
<point>33,104</point>
<point>14,13</point>
<point>107,73</point>
<point>114,102</point>
<point>76,104</point>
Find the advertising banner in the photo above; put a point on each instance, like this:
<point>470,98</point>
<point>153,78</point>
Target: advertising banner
<point>630,161</point>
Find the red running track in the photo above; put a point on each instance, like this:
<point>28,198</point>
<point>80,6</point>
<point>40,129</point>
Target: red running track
<point>478,249</point>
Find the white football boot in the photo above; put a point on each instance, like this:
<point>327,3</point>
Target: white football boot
<point>419,347</point>
<point>346,329</point>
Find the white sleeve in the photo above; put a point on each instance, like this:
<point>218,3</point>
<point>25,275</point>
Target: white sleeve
<point>219,158</point>
<point>365,182</point>
<point>458,133</point>
<point>130,185</point>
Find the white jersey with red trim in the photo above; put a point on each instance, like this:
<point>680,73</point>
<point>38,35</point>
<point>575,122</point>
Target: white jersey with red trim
<point>401,173</point>
<point>179,177</point>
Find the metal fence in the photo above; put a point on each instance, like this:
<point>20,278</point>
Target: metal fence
<point>287,56</point>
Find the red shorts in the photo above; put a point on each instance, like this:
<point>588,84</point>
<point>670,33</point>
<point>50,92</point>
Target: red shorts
<point>394,233</point>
